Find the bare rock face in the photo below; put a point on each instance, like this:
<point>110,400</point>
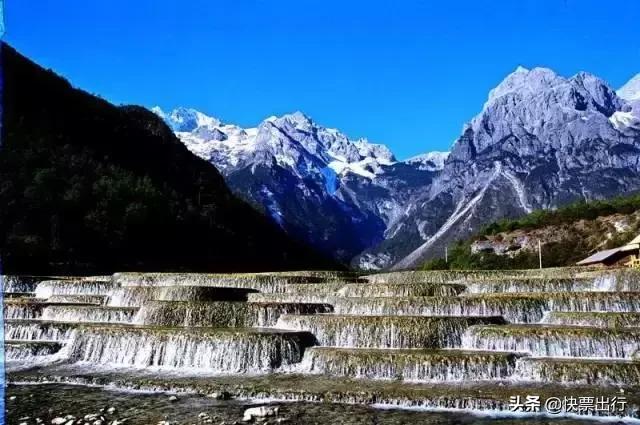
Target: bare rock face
<point>540,141</point>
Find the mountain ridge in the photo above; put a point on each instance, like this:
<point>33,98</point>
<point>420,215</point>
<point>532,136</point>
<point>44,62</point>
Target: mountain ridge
<point>294,168</point>
<point>540,140</point>
<point>80,194</point>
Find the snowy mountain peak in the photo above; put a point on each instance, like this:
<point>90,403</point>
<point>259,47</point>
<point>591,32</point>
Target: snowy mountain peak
<point>631,90</point>
<point>298,117</point>
<point>292,140</point>
<point>430,161</point>
<point>186,119</point>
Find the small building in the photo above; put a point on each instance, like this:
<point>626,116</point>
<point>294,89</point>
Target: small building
<point>627,255</point>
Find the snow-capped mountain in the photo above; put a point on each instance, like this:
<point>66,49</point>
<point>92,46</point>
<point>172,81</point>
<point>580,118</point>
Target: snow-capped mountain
<point>540,141</point>
<point>337,193</point>
<point>292,140</point>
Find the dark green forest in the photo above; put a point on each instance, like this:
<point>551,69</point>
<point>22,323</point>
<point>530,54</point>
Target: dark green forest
<point>89,187</point>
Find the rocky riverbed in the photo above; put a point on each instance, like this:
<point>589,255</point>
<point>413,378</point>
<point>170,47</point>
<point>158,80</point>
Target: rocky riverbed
<point>46,403</point>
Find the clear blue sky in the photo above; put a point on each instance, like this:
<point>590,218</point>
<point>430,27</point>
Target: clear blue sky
<point>405,73</point>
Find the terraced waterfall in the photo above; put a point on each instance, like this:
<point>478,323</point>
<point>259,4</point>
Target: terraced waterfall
<point>446,340</point>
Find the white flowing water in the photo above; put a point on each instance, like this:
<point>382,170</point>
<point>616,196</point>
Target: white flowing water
<point>400,290</point>
<point>35,330</point>
<point>211,351</point>
<point>578,371</point>
<point>78,299</point>
<point>595,301</point>
<point>48,288</point>
<point>22,310</point>
<point>27,350</point>
<point>269,283</point>
<point>554,341</point>
<point>592,319</point>
<point>19,284</point>
<point>88,314</point>
<point>410,365</point>
<point>383,331</point>
<point>513,309</point>
<point>221,313</point>
<point>131,296</point>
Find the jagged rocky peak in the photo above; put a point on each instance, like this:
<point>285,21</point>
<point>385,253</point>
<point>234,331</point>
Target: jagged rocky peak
<point>524,82</point>
<point>536,104</point>
<point>541,140</point>
<point>583,91</point>
<point>631,90</point>
<point>328,143</point>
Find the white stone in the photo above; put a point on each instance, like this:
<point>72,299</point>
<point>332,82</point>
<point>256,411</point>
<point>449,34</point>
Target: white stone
<point>259,412</point>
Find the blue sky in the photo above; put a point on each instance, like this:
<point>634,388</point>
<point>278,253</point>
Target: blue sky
<point>406,73</point>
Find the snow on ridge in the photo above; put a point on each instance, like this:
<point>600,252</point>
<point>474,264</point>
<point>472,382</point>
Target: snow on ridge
<point>631,90</point>
<point>287,139</point>
<point>623,120</point>
<point>430,161</point>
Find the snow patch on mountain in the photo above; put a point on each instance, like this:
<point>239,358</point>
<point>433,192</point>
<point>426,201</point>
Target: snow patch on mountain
<point>430,161</point>
<point>631,90</point>
<point>623,120</point>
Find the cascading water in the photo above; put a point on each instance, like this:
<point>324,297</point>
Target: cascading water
<point>514,309</point>
<point>329,288</point>
<point>77,299</point>
<point>554,341</point>
<point>216,351</point>
<point>35,330</point>
<point>131,296</point>
<point>27,350</point>
<point>595,301</point>
<point>269,283</point>
<point>22,309</point>
<point>48,288</point>
<point>294,298</point>
<point>593,319</point>
<point>442,338</point>
<point>401,290</point>
<point>570,371</point>
<point>409,364</point>
<point>524,285</point>
<point>88,314</point>
<point>19,284</point>
<point>221,313</point>
<point>384,331</point>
